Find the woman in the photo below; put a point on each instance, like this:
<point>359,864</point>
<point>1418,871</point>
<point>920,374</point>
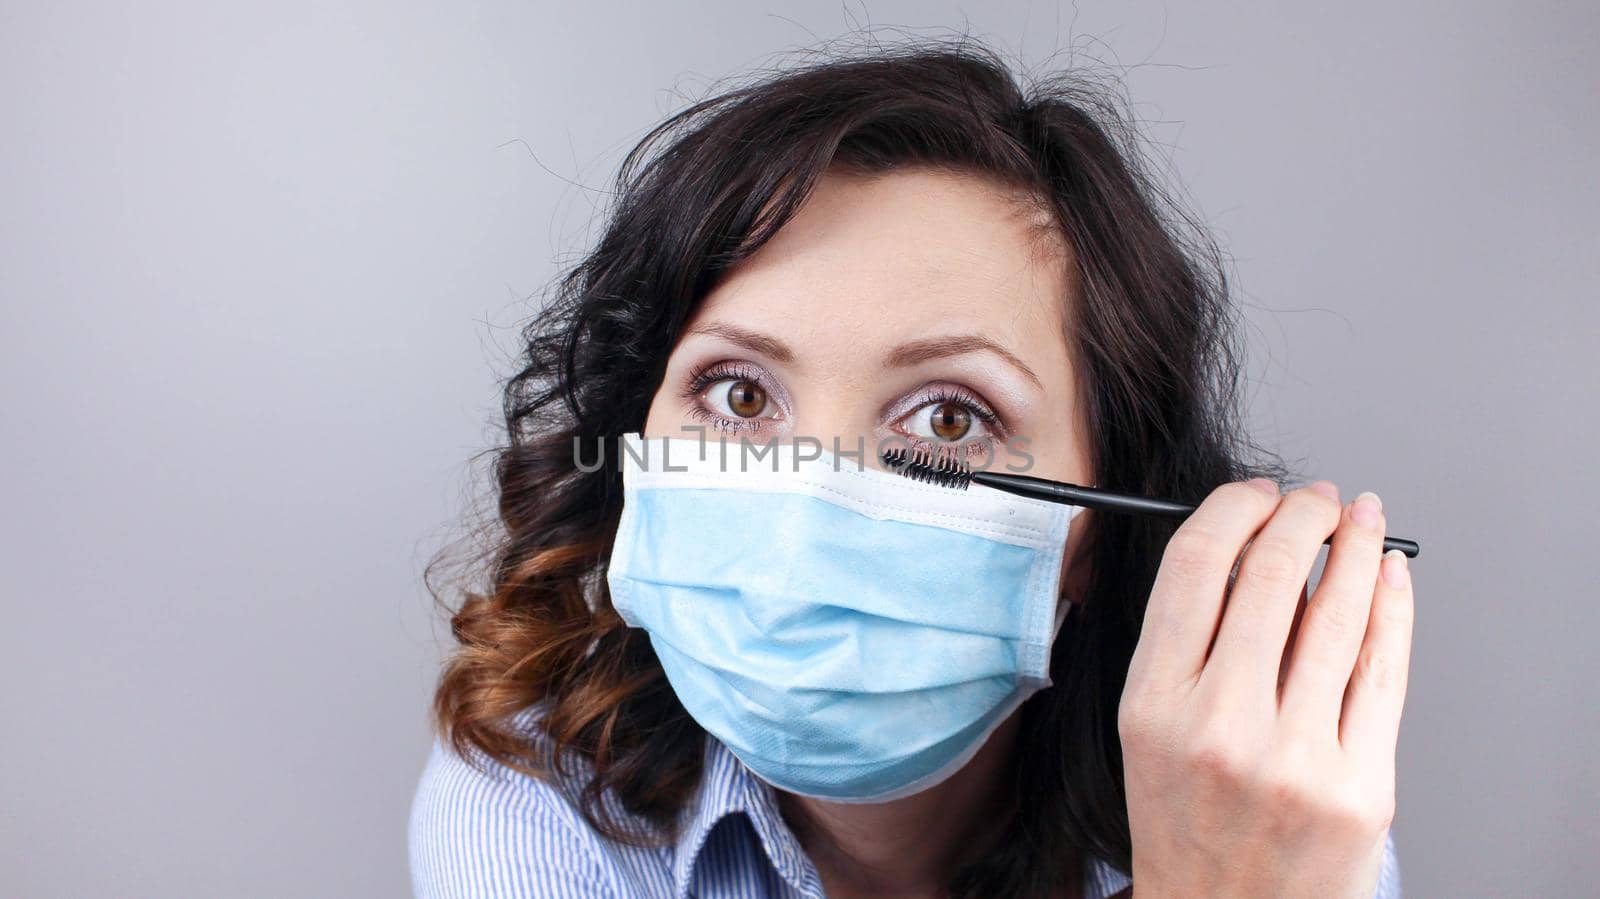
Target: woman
<point>906,246</point>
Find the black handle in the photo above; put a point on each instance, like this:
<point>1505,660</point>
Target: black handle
<point>1107,501</point>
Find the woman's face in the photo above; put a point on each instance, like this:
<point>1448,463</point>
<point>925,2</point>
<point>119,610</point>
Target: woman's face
<point>919,306</point>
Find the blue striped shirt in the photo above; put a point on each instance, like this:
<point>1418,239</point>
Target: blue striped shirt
<point>501,833</point>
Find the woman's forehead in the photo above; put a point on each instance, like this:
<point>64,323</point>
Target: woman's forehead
<point>904,255</point>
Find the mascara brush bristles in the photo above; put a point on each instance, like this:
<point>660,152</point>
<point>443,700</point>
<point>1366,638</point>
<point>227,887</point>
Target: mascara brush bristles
<point>921,465</point>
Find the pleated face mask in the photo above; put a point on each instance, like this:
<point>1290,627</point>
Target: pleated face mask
<point>848,633</point>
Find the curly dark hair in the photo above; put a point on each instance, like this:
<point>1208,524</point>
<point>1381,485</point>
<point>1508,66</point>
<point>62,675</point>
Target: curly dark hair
<point>1154,338</point>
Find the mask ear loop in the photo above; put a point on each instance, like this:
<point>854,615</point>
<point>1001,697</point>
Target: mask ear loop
<point>1062,615</point>
<point>1061,598</point>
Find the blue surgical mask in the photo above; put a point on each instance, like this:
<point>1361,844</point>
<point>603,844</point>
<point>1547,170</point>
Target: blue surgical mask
<point>848,633</point>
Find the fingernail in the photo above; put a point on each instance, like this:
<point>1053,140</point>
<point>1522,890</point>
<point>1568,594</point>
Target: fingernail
<point>1395,570</point>
<point>1366,508</point>
<point>1265,485</point>
<point>1326,488</point>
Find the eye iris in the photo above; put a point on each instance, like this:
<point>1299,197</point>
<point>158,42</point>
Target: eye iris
<point>950,421</point>
<point>746,398</point>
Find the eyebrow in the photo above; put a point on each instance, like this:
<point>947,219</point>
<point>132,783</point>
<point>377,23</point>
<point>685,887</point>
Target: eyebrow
<point>750,340</point>
<point>902,356</point>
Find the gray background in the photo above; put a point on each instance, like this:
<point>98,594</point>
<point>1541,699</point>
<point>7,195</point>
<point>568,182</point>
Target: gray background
<point>261,268</point>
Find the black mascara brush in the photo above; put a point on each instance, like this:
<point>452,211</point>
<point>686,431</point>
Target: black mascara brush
<point>947,472</point>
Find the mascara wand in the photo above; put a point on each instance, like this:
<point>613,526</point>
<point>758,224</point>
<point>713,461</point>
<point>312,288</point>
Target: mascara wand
<point>948,472</point>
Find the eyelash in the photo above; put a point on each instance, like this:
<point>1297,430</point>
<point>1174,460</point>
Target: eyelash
<point>706,375</point>
<point>963,398</point>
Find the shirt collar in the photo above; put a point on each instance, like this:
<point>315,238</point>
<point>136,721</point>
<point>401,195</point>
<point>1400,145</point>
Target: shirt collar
<point>728,787</point>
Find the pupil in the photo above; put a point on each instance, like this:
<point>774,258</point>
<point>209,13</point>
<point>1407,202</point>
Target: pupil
<point>746,399</point>
<point>951,421</point>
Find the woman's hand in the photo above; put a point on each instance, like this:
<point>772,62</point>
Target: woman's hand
<point>1258,729</point>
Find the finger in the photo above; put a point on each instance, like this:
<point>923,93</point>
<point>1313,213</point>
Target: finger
<point>1370,725</point>
<point>1255,626</point>
<point>1186,599</point>
<point>1233,576</point>
<point>1336,620</point>
<point>1294,638</point>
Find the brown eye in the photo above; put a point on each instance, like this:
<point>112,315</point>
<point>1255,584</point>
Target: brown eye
<point>950,421</point>
<point>746,398</point>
